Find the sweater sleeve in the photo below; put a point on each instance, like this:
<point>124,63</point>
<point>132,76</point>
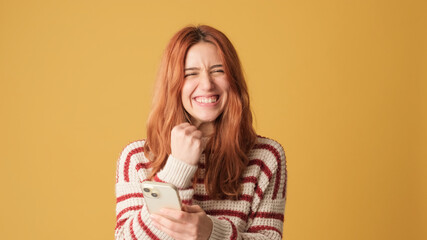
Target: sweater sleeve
<point>179,174</point>
<point>132,217</point>
<point>267,212</point>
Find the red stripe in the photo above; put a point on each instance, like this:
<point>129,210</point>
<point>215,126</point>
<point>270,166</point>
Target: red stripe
<point>187,188</point>
<point>250,179</point>
<point>259,192</point>
<point>201,197</point>
<point>127,162</point>
<point>264,169</point>
<point>142,165</point>
<point>262,166</point>
<point>187,202</point>
<point>120,223</point>
<point>157,179</point>
<point>234,234</point>
<point>268,147</point>
<point>131,230</point>
<point>259,228</point>
<point>251,215</point>
<point>132,208</point>
<point>127,196</point>
<point>200,181</point>
<point>231,213</point>
<point>279,165</point>
<point>246,197</point>
<point>146,229</point>
<point>278,216</point>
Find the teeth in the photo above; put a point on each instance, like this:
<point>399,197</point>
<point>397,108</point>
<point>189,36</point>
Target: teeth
<point>207,100</point>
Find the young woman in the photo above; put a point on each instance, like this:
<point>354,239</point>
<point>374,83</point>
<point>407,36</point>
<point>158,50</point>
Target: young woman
<point>200,138</point>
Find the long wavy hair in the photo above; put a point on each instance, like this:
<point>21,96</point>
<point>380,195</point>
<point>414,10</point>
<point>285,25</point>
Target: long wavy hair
<point>234,136</point>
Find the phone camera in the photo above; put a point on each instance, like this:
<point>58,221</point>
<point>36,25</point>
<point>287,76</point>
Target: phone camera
<point>146,190</point>
<point>154,195</point>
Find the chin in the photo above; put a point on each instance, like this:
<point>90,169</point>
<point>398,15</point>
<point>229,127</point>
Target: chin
<point>207,119</point>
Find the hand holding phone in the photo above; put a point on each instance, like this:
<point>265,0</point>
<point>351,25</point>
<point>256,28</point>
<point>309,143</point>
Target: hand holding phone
<point>159,195</point>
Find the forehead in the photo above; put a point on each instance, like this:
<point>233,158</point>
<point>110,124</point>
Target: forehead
<point>202,53</point>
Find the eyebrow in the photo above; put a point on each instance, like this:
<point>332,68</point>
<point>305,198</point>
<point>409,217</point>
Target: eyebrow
<point>195,68</point>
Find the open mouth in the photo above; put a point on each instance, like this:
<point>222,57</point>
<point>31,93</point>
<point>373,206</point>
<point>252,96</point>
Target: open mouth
<point>210,99</point>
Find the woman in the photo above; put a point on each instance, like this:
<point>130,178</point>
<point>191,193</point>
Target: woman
<point>200,138</point>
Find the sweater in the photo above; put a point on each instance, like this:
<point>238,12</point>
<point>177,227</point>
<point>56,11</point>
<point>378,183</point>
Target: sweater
<point>258,213</point>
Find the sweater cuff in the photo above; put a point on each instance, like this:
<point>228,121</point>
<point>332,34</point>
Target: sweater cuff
<point>219,229</point>
<point>177,172</point>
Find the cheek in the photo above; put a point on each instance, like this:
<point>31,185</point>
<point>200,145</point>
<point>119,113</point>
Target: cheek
<point>224,85</point>
<point>186,92</point>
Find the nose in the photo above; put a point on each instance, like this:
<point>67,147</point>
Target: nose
<point>206,81</point>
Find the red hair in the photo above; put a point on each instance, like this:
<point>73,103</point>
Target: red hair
<point>226,151</point>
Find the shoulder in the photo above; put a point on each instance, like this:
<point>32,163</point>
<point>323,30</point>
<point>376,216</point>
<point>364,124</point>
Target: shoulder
<point>133,148</point>
<point>267,147</point>
<point>269,155</point>
<point>131,158</point>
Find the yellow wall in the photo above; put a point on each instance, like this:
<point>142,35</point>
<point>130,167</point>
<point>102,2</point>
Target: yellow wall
<point>341,84</point>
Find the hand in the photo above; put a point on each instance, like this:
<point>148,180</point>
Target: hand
<point>192,223</point>
<point>186,143</point>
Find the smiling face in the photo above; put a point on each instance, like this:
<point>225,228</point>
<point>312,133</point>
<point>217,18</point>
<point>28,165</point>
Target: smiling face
<point>205,90</point>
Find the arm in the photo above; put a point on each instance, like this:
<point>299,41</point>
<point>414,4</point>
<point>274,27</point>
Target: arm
<point>133,219</point>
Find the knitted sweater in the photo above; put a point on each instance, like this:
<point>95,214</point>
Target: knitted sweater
<point>257,214</point>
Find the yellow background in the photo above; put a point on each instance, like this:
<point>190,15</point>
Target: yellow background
<point>340,84</point>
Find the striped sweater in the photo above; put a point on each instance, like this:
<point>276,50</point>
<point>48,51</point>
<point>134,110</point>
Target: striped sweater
<point>257,214</point>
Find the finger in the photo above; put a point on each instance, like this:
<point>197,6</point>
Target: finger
<point>177,215</point>
<point>162,222</point>
<point>192,208</point>
<point>175,130</point>
<point>197,134</point>
<point>182,125</point>
<point>171,233</point>
<point>189,129</point>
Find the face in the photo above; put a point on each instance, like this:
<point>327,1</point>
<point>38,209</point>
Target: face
<point>205,90</point>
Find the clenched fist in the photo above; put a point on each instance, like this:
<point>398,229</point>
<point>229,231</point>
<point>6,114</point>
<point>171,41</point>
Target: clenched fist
<point>186,143</point>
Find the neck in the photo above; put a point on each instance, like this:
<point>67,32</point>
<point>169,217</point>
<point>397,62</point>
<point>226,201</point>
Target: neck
<point>207,128</point>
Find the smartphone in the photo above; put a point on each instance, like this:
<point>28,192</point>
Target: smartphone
<point>159,195</point>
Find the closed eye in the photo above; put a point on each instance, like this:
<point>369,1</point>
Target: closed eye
<point>218,71</point>
<point>190,74</point>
